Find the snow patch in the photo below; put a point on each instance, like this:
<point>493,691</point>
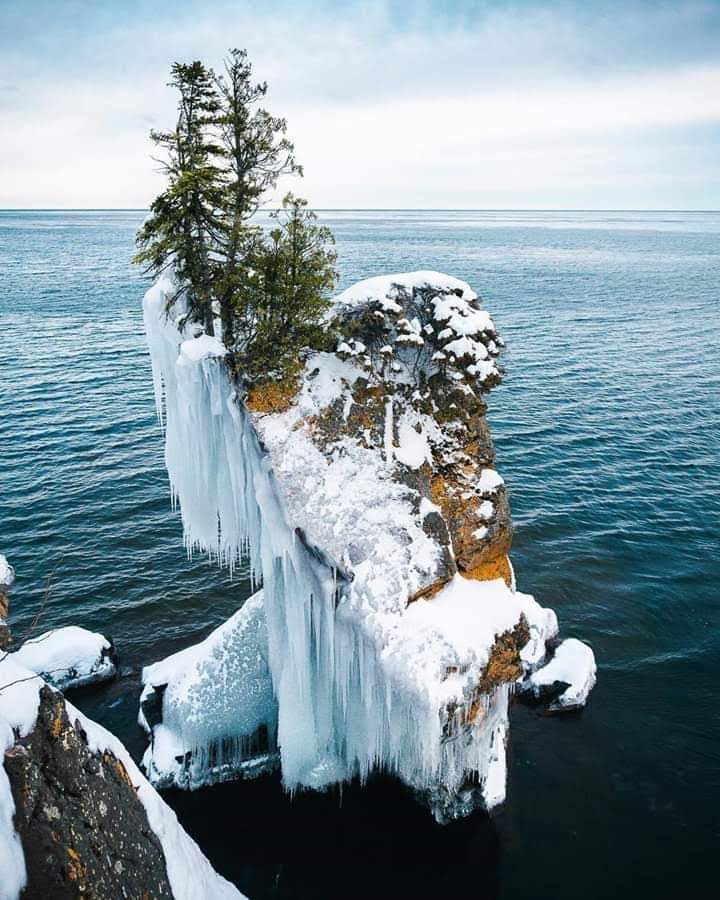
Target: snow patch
<point>486,510</point>
<point>413,446</point>
<point>12,858</point>
<point>7,573</point>
<point>383,287</point>
<point>68,657</point>
<point>202,347</point>
<point>489,481</point>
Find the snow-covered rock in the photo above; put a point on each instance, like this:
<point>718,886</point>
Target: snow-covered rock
<point>7,573</point>
<point>210,709</point>
<point>570,675</point>
<point>75,809</point>
<point>7,576</point>
<point>369,503</point>
<point>68,657</point>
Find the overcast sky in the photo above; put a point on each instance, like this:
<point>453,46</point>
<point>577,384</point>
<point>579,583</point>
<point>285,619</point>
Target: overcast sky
<point>390,104</point>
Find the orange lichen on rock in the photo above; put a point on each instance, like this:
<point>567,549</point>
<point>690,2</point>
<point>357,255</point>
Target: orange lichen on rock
<point>57,726</point>
<point>111,759</point>
<point>76,871</point>
<point>272,396</point>
<point>488,571</point>
<point>503,667</point>
<point>504,663</point>
<point>452,491</point>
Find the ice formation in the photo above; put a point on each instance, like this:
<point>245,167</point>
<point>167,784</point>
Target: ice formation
<point>68,657</point>
<point>370,508</point>
<point>210,709</point>
<point>190,874</point>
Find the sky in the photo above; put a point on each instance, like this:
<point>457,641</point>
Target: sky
<point>445,105</point>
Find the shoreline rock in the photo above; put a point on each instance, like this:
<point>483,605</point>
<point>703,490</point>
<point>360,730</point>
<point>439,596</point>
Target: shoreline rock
<point>82,829</point>
<point>200,735</point>
<point>77,817</point>
<point>7,577</point>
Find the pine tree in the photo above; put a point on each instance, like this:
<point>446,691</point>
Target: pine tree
<point>184,217</point>
<point>257,152</point>
<point>291,273</point>
<point>223,159</point>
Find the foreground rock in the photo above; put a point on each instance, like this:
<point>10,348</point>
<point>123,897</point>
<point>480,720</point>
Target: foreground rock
<point>81,825</point>
<point>366,493</point>
<point>77,818</point>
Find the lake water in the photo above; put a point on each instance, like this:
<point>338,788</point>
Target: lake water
<point>607,430</point>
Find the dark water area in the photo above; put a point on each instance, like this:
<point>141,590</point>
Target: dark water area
<point>370,841</point>
<point>607,430</point>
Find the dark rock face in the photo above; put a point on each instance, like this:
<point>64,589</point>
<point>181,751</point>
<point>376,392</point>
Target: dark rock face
<point>83,829</point>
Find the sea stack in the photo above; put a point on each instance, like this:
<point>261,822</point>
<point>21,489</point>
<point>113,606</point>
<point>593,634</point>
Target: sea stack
<point>365,492</point>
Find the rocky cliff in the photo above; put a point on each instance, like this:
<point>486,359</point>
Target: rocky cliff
<point>77,817</point>
<point>366,495</point>
<point>82,828</point>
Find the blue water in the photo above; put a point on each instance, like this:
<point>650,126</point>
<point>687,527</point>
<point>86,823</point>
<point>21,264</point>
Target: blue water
<point>607,431</point>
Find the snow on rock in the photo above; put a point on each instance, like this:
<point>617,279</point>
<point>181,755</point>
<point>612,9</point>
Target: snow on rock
<point>573,666</point>
<point>489,481</point>
<point>18,709</point>
<point>422,320</point>
<point>7,573</point>
<point>190,874</point>
<point>466,616</point>
<point>210,708</point>
<point>201,347</point>
<point>68,657</point>
<point>7,576</point>
<point>372,510</point>
<point>12,859</point>
<point>383,288</point>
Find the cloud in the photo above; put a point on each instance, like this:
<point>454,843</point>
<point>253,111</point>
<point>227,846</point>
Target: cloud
<point>390,104</point>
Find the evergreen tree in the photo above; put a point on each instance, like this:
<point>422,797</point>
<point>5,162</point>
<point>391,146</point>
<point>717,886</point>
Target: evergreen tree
<point>289,276</point>
<point>257,152</point>
<point>184,217</point>
<point>224,157</point>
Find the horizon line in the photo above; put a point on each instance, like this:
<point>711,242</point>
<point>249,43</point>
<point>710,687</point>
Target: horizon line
<point>5,209</point>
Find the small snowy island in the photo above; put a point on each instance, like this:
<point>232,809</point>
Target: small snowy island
<point>389,634</point>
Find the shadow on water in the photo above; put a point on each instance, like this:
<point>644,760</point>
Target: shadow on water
<point>371,841</point>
